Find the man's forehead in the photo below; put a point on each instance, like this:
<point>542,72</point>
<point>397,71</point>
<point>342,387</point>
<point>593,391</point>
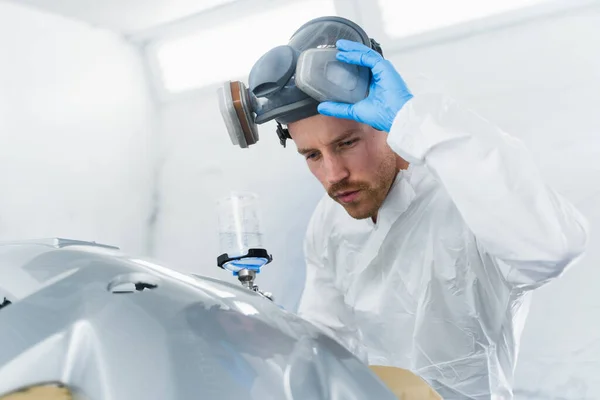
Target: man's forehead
<point>321,130</point>
<point>309,146</point>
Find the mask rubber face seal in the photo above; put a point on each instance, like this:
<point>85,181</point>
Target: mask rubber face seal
<point>235,107</point>
<point>326,31</point>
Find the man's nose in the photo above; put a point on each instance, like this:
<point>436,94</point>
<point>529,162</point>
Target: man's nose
<point>335,170</point>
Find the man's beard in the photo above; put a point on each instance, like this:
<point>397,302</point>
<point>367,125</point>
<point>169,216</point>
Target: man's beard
<point>373,194</point>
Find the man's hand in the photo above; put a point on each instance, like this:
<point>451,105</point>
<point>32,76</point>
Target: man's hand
<point>387,92</point>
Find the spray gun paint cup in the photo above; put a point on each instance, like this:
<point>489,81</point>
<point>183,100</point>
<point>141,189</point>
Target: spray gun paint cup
<point>240,230</point>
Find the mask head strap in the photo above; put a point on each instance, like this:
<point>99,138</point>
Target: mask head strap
<point>283,134</point>
<point>376,46</point>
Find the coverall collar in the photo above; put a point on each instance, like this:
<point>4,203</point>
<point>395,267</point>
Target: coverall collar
<point>401,194</point>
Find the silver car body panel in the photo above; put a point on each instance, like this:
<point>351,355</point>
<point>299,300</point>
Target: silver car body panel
<point>114,327</point>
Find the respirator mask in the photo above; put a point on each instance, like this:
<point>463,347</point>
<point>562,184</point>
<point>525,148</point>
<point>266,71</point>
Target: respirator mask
<point>288,82</point>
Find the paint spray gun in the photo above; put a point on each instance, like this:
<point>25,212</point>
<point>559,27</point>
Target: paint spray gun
<point>241,239</point>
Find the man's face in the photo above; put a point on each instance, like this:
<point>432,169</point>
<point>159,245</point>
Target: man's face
<point>352,161</point>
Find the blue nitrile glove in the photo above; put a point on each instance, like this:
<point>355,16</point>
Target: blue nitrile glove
<point>387,91</point>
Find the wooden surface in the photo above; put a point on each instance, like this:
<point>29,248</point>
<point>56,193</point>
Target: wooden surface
<point>404,384</point>
<point>43,392</point>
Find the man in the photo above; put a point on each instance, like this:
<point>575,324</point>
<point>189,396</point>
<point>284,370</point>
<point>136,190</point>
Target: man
<point>436,228</point>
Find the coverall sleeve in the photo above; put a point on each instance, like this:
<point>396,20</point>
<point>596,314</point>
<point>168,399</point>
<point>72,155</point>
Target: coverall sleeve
<point>322,303</point>
<point>532,233</point>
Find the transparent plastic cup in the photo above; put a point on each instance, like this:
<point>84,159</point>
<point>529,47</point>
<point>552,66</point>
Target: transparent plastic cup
<point>239,224</point>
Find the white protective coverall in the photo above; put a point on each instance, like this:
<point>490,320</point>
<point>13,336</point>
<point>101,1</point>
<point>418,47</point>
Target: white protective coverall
<point>441,284</point>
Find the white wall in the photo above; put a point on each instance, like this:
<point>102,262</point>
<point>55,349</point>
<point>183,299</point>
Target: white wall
<point>539,81</point>
<point>75,124</point>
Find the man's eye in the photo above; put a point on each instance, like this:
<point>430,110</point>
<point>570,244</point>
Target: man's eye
<point>311,156</point>
<point>348,143</point>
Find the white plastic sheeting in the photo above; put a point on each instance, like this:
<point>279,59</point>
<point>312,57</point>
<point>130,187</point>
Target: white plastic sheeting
<point>75,124</point>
